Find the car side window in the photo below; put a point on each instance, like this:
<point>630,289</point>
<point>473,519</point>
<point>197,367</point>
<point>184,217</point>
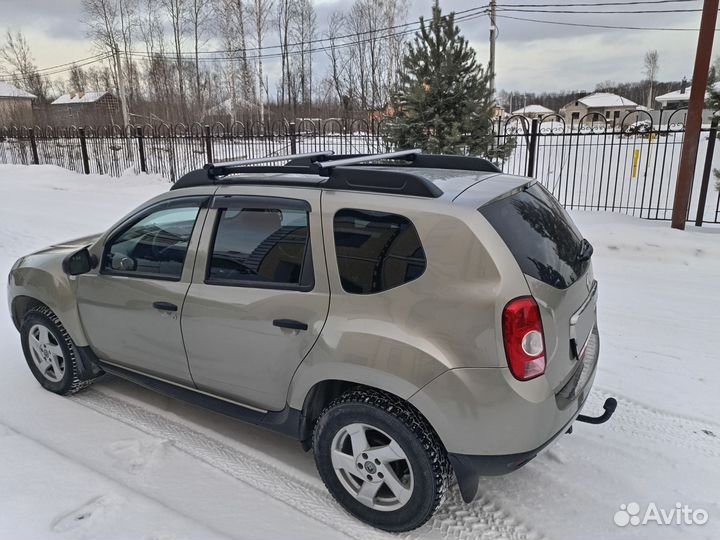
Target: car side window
<point>154,246</point>
<point>376,251</point>
<point>261,247</point>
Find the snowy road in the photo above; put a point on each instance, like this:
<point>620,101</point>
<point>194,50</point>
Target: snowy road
<point>118,461</point>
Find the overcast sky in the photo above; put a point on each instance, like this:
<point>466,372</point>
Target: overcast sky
<point>530,56</point>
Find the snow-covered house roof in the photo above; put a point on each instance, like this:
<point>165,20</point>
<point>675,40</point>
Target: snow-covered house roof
<point>534,109</point>
<point>10,91</point>
<point>681,95</point>
<point>79,97</point>
<point>605,100</point>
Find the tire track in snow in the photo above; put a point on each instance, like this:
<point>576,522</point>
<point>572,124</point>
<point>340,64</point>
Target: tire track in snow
<point>454,519</point>
<point>646,422</point>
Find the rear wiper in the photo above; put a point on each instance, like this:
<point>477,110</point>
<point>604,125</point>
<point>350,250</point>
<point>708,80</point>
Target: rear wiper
<point>586,251</point>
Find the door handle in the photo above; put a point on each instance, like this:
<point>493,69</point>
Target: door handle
<point>289,323</point>
<point>165,306</point>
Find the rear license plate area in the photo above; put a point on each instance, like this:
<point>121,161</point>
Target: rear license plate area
<point>582,323</point>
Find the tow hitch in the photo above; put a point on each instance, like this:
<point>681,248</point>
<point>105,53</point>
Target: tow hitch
<point>610,405</point>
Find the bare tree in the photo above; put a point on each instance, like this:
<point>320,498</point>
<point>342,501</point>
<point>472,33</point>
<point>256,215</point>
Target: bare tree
<point>176,11</point>
<point>260,11</point>
<point>651,66</point>
<point>304,33</point>
<point>338,69</point>
<point>198,15</point>
<point>77,79</point>
<point>17,61</point>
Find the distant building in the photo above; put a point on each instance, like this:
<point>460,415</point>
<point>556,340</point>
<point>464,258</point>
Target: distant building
<point>678,99</point>
<point>15,106</point>
<point>594,107</point>
<point>86,109</point>
<point>533,111</point>
<point>498,111</point>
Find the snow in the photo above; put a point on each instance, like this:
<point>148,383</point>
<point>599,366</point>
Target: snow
<point>534,109</point>
<point>10,91</point>
<point>79,97</point>
<point>119,461</point>
<point>605,99</point>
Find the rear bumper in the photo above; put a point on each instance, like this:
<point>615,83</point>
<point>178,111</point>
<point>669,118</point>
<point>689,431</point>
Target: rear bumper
<point>469,468</point>
<point>492,424</point>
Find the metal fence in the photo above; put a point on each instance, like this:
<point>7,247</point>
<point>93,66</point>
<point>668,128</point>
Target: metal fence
<point>629,165</point>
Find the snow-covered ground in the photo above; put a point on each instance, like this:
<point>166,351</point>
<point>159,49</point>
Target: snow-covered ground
<point>117,461</point>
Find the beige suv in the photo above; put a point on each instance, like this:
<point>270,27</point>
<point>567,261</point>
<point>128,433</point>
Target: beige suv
<point>410,317</point>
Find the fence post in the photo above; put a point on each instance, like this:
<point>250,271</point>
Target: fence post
<point>208,145</point>
<point>532,148</point>
<point>706,173</point>
<point>293,137</point>
<point>141,148</point>
<point>84,151</point>
<point>33,147</point>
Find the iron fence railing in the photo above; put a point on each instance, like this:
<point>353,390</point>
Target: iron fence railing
<point>628,165</point>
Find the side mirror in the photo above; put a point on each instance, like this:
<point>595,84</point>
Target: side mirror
<point>80,262</point>
<point>123,263</point>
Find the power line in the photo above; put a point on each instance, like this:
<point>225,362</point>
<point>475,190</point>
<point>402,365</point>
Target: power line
<point>599,12</point>
<point>224,57</point>
<point>478,10</point>
<point>45,73</point>
<point>598,4</point>
<point>610,27</point>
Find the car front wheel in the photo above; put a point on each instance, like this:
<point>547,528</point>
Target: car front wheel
<point>50,353</point>
<point>381,460</point>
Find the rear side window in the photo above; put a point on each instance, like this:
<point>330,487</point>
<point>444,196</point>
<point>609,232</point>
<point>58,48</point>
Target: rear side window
<point>540,234</point>
<point>261,247</point>
<point>376,251</point>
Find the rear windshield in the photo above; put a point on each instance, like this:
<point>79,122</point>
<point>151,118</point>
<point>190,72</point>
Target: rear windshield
<point>540,234</point>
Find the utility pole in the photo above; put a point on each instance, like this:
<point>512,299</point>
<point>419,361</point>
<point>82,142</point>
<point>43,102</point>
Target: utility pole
<point>121,88</point>
<point>688,158</point>
<point>493,38</point>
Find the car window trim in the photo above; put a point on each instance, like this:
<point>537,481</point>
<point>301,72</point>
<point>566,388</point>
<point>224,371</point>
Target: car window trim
<point>178,202</point>
<point>234,202</point>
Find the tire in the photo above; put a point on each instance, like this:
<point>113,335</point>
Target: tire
<point>58,355</point>
<point>419,479</point>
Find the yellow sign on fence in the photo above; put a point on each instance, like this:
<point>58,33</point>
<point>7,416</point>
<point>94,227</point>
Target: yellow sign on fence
<point>636,162</point>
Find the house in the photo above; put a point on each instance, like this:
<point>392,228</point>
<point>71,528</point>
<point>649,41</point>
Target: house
<point>678,99</point>
<point>533,111</point>
<point>86,108</point>
<point>598,107</point>
<point>498,111</point>
<point>15,106</point>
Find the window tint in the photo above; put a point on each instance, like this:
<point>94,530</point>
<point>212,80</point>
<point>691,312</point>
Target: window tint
<point>155,246</point>
<point>376,251</point>
<point>540,234</point>
<point>261,245</point>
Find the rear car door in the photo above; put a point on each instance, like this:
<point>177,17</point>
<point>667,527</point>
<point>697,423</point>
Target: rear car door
<point>259,295</point>
<point>130,307</point>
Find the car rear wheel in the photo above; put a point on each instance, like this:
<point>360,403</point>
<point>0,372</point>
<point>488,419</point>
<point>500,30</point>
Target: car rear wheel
<point>381,460</point>
<point>50,353</point>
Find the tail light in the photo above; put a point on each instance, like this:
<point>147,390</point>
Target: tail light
<point>524,338</point>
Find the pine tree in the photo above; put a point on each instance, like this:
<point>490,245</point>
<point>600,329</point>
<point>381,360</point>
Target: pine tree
<point>444,103</point>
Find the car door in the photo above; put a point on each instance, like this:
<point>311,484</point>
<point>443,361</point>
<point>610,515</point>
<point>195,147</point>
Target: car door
<point>259,295</point>
<point>130,307</point>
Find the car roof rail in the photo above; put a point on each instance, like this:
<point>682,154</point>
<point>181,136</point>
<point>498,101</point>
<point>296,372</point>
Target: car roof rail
<point>323,167</point>
<point>345,172</point>
<point>224,168</point>
<point>412,158</point>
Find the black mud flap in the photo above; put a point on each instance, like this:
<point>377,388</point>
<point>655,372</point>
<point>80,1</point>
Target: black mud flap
<point>87,363</point>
